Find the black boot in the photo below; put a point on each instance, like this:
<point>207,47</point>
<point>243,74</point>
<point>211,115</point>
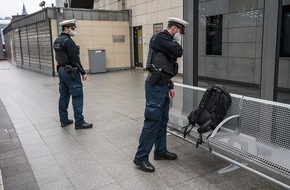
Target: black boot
<point>145,166</point>
<point>68,122</point>
<point>166,156</point>
<point>84,125</point>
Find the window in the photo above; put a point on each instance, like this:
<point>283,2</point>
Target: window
<point>157,28</point>
<point>214,25</point>
<point>285,32</point>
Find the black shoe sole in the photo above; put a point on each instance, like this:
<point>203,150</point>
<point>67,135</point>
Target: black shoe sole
<point>141,168</point>
<point>84,127</point>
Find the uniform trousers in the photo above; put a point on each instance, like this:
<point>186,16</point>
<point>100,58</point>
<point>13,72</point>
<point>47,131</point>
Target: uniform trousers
<point>155,123</point>
<point>70,86</point>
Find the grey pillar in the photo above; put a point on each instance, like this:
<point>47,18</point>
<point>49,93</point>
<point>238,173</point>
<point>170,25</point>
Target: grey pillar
<point>190,45</point>
<point>270,50</point>
<point>123,5</point>
<point>131,38</point>
<point>59,11</point>
<point>190,55</point>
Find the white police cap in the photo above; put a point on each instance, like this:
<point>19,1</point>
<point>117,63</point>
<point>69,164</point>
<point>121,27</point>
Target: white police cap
<point>68,23</point>
<point>178,22</point>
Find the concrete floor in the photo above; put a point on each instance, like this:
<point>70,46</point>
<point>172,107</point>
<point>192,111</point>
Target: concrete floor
<point>101,158</point>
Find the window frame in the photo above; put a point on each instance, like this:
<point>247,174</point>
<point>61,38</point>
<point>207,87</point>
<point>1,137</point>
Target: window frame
<point>157,27</point>
<point>214,23</point>
<point>285,10</point>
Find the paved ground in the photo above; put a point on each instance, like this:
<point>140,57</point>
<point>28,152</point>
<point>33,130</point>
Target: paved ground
<point>99,158</point>
<point>16,170</point>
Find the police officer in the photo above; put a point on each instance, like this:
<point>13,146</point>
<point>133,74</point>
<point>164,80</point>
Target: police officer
<point>70,71</point>
<point>162,66</point>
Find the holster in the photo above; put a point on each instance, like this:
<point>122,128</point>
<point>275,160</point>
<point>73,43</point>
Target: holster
<point>164,79</point>
<point>158,77</point>
<point>156,74</point>
<point>72,71</point>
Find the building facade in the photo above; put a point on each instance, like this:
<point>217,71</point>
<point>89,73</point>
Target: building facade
<point>148,17</point>
<point>238,41</point>
<point>29,39</point>
<point>230,36</point>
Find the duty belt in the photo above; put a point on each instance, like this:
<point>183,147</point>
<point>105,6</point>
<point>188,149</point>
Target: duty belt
<point>162,79</point>
<point>69,69</point>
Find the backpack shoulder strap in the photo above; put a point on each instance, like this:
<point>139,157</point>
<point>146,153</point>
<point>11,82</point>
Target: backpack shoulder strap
<point>151,57</point>
<point>185,129</point>
<point>216,104</point>
<point>225,92</point>
<point>62,41</point>
<point>205,97</point>
<point>65,39</point>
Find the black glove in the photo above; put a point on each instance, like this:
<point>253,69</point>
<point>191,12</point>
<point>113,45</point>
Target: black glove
<point>171,85</point>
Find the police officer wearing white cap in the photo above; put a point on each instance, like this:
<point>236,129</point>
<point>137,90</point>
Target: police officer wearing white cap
<point>164,50</point>
<point>70,70</point>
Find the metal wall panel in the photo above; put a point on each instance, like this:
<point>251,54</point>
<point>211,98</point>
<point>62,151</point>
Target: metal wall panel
<point>25,47</point>
<point>87,15</point>
<point>104,15</point>
<point>68,14</point>
<point>77,14</point>
<point>31,36</point>
<point>95,15</point>
<point>51,13</point>
<point>17,49</point>
<point>112,16</point>
<point>120,16</point>
<point>1,47</point>
<point>33,45</point>
<point>8,49</point>
<point>44,46</point>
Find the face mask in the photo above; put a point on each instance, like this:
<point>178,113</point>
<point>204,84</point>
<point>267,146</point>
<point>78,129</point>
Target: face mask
<point>72,32</point>
<point>177,36</point>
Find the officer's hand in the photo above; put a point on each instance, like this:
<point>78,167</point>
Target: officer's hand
<point>84,77</point>
<point>171,93</point>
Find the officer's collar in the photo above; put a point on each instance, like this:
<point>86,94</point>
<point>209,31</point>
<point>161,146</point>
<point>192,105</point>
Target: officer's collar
<point>166,31</point>
<point>65,34</point>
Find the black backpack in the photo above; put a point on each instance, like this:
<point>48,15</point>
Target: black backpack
<point>212,109</point>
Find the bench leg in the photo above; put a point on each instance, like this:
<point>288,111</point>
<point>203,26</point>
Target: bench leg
<point>230,168</point>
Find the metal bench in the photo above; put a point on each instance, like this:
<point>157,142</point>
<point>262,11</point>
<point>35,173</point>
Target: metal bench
<point>255,134</point>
